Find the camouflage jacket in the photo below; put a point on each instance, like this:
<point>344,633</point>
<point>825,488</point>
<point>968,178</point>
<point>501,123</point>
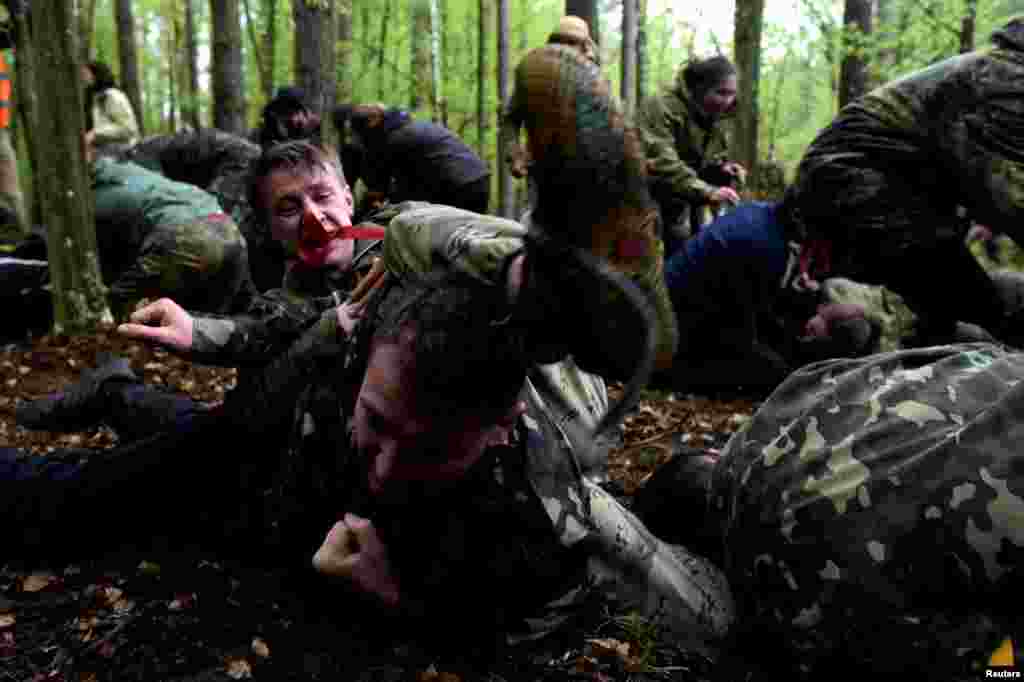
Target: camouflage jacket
<point>872,507</point>
<point>954,128</point>
<point>532,509</point>
<point>680,142</point>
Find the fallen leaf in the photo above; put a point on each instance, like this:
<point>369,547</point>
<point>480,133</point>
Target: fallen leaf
<point>260,648</point>
<point>585,664</point>
<point>37,582</point>
<point>238,669</point>
<point>609,647</point>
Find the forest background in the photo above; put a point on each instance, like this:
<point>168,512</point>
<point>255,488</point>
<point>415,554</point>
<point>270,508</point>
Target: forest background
<point>216,63</point>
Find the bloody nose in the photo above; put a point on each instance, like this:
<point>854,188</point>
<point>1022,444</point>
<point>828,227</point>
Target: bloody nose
<point>314,236</point>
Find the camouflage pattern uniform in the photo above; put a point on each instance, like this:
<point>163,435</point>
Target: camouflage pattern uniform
<point>894,318</point>
<point>872,512</point>
<point>219,163</point>
<point>163,238</point>
<point>882,183</point>
<point>590,176</point>
<point>680,143</point>
<point>533,509</point>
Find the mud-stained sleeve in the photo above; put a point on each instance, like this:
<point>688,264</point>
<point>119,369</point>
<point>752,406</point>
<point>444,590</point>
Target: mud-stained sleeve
<point>663,161</point>
<point>319,350</point>
<point>250,340</point>
<point>440,236</point>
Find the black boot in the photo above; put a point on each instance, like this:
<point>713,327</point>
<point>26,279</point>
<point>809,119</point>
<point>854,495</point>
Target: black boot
<point>80,405</point>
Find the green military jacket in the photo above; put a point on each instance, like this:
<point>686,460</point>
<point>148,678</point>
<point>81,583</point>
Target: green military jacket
<point>680,142</point>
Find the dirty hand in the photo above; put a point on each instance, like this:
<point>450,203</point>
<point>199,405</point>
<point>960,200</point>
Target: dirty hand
<point>348,315</point>
<point>725,195</point>
<point>164,322</point>
<point>353,550</point>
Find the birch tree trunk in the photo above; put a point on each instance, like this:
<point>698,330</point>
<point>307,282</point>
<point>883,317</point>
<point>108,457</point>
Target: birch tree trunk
<point>79,296</point>
<point>129,80</point>
<point>642,60</point>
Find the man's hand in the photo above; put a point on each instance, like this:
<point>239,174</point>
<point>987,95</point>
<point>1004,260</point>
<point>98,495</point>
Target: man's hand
<point>518,162</point>
<point>353,550</point>
<point>348,315</point>
<point>726,195</point>
<point>164,322</point>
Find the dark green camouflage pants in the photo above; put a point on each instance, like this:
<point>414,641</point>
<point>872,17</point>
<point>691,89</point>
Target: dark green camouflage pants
<point>201,265</point>
<point>875,511</point>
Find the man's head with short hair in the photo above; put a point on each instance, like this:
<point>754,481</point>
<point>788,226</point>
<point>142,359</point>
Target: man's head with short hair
<point>286,117</point>
<point>297,190</point>
<point>573,31</point>
<point>444,369</point>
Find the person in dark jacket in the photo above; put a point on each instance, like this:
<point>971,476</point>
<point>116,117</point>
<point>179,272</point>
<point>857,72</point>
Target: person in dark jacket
<point>410,160</point>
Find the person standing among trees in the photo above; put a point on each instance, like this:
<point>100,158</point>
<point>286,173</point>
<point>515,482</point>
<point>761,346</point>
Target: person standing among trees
<point>687,148</point>
<point>110,123</point>
<point>571,31</point>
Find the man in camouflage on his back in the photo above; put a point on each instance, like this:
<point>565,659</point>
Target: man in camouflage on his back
<point>881,185</point>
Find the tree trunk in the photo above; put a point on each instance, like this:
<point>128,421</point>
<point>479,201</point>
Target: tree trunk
<point>173,66</point>
<point>86,28</point>
<point>853,70</point>
<point>27,102</point>
<point>629,47</point>
<point>587,11</point>
<point>314,53</point>
<point>227,70</point>
<point>749,20</point>
<point>504,177</point>
<point>420,87</point>
<point>190,102</point>
<point>79,297</point>
<point>483,48</point>
<point>642,61</point>
<point>270,42</point>
<point>344,55</point>
<point>382,47</point>
<point>436,54</point>
<point>129,80</point>
<point>967,26</point>
<point>262,68</point>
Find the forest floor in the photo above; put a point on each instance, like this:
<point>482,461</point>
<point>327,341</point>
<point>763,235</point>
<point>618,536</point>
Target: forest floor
<point>142,615</point>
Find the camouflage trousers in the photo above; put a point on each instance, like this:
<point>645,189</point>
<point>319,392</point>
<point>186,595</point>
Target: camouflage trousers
<point>873,511</point>
<point>201,265</point>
